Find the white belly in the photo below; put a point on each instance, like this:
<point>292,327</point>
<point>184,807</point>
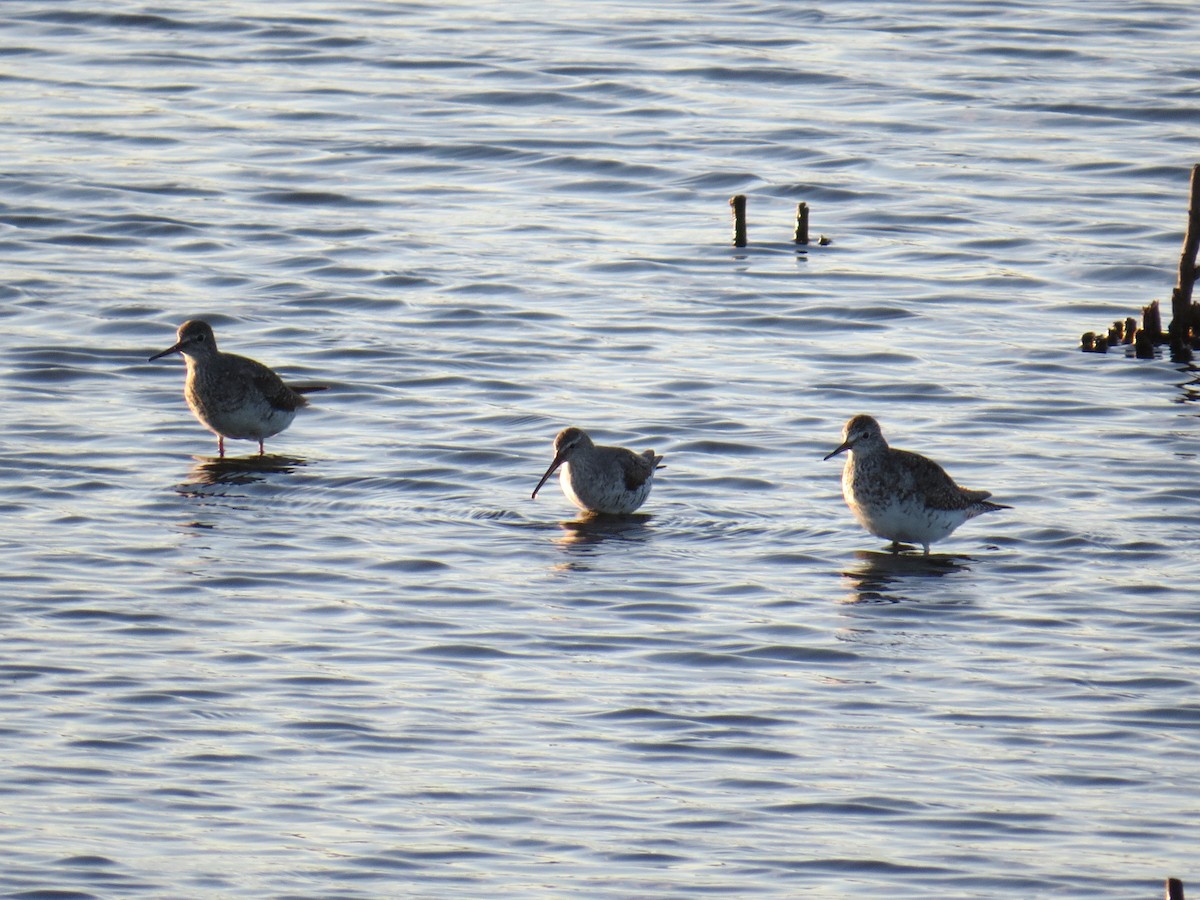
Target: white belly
<point>909,523</point>
<point>251,424</point>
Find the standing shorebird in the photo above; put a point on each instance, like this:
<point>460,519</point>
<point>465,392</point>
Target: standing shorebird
<point>601,479</point>
<point>232,396</point>
<point>899,495</point>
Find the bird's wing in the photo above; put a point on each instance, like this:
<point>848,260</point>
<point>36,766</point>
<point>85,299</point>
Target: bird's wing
<point>938,488</point>
<point>278,394</point>
<point>638,468</point>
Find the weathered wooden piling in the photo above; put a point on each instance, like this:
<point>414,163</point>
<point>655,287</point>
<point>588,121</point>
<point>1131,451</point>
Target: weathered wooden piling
<point>1143,344</point>
<point>1090,342</point>
<point>1174,889</point>
<point>1179,338</point>
<point>1152,322</point>
<point>1130,329</point>
<point>801,235</point>
<point>1181,297</point>
<point>738,203</point>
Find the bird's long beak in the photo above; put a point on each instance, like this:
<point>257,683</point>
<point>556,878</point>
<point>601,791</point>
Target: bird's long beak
<point>846,445</point>
<point>558,461</point>
<point>172,349</point>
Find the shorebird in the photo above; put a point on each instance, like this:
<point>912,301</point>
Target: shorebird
<point>899,495</point>
<point>233,396</point>
<point>601,479</point>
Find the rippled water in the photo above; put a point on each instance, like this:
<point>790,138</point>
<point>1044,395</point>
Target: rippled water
<point>371,666</point>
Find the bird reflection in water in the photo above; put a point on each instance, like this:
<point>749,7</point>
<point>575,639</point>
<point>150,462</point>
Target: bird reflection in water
<point>880,577</point>
<point>593,529</point>
<point>238,470</point>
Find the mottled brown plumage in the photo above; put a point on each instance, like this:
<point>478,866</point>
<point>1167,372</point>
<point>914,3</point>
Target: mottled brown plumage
<point>899,495</point>
<point>234,396</point>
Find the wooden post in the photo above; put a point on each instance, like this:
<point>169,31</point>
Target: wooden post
<point>1181,297</point>
<point>1143,344</point>
<point>1174,889</point>
<point>801,236</point>
<point>1152,322</point>
<point>738,202</point>
<point>1179,338</point>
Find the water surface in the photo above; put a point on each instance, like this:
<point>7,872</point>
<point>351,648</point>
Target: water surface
<point>371,666</point>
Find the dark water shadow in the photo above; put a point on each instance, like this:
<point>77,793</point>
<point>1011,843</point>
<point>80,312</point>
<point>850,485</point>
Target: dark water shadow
<point>1189,391</point>
<point>591,530</point>
<point>210,471</point>
<point>881,577</point>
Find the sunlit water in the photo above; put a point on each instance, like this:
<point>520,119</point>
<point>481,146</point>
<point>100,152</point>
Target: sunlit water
<point>371,666</point>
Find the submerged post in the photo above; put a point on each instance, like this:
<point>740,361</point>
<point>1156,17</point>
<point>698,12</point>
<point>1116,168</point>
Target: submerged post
<point>1181,297</point>
<point>738,202</point>
<point>801,236</point>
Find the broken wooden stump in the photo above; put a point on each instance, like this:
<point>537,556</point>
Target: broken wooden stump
<point>738,203</point>
<point>1143,344</point>
<point>1152,323</point>
<point>801,234</point>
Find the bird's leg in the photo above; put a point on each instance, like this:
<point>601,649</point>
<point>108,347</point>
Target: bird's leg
<point>261,448</point>
<point>221,446</point>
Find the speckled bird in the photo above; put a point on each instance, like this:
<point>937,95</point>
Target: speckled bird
<point>899,495</point>
<point>233,396</point>
<point>601,479</point>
